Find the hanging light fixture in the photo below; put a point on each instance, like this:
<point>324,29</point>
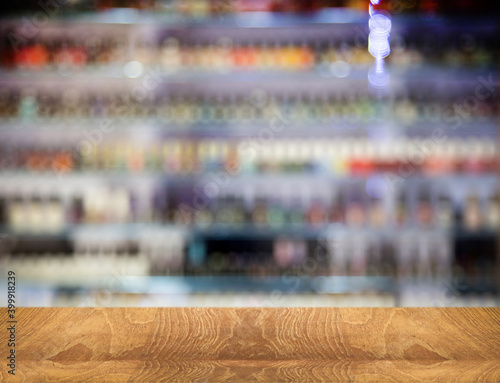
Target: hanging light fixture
<point>378,44</point>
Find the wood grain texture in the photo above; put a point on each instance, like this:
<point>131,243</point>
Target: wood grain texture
<point>254,345</point>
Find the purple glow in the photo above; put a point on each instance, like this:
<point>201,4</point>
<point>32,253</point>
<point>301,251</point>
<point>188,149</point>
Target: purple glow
<point>376,186</point>
<point>377,78</point>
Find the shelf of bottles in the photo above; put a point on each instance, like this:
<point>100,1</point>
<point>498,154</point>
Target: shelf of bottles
<point>215,148</point>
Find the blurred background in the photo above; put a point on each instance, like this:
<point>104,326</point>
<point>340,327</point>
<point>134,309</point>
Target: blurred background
<point>250,153</point>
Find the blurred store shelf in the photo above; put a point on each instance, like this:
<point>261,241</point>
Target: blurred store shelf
<point>252,19</point>
<point>119,191</point>
<point>321,77</point>
<point>70,130</point>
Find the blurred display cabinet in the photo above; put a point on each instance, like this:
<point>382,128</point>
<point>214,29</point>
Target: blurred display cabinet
<point>251,147</point>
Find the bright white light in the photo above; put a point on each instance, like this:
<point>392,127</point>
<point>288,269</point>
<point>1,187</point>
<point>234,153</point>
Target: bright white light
<point>340,69</point>
<point>133,69</point>
<point>370,10</point>
<point>378,46</point>
<point>378,79</point>
<point>380,24</point>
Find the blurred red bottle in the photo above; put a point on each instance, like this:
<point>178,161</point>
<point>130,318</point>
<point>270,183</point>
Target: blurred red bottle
<point>32,56</point>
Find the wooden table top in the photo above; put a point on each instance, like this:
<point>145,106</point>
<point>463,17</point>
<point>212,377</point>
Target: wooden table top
<point>254,345</point>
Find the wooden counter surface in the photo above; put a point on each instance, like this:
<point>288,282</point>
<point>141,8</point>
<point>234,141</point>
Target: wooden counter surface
<point>254,345</point>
